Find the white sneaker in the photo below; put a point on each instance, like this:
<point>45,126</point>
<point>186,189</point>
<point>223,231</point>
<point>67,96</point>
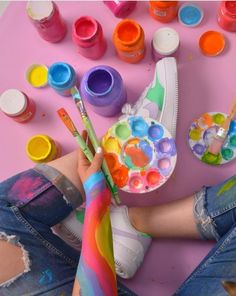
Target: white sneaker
<point>160,99</point>
<point>129,245</point>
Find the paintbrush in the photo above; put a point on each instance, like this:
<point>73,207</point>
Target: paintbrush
<point>71,127</point>
<point>94,140</point>
<point>222,132</point>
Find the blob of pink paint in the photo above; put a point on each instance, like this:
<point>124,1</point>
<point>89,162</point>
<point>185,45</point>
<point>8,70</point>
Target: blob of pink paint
<point>136,183</point>
<point>164,163</point>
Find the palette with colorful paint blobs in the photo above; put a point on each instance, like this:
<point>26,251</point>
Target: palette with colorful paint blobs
<point>140,153</point>
<point>201,134</point>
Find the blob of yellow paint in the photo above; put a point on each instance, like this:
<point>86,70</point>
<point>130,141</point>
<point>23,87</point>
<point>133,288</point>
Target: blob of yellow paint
<point>111,145</point>
<point>37,75</point>
<point>195,134</point>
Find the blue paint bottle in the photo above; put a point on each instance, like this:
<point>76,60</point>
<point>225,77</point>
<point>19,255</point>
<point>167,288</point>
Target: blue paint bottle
<point>62,77</point>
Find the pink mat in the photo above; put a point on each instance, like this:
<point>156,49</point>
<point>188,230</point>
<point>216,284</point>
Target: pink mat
<point>205,84</point>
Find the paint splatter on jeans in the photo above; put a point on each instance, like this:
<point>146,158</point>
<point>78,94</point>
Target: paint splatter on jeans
<point>30,204</point>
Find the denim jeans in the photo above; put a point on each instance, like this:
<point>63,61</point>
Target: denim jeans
<point>31,203</point>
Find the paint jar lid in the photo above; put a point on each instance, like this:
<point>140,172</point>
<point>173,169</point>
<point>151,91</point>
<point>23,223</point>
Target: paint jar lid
<point>190,15</point>
<point>212,43</point>
<point>165,41</point>
<point>38,10</point>
<point>37,75</point>
<point>38,148</point>
<point>13,102</point>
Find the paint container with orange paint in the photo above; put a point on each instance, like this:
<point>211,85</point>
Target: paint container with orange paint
<point>42,148</point>
<point>227,15</point>
<point>46,18</point>
<point>128,39</point>
<point>163,11</point>
<point>17,105</point>
<point>87,34</point>
<point>121,9</point>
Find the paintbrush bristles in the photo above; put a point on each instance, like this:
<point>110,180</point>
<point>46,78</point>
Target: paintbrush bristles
<point>67,121</point>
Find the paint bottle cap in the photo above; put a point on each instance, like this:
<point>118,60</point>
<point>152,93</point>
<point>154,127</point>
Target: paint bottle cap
<point>166,41</point>
<point>37,75</point>
<point>212,43</point>
<point>13,102</point>
<point>38,148</point>
<point>38,10</point>
<point>190,15</point>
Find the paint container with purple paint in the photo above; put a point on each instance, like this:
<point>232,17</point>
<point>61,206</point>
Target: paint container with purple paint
<point>121,9</point>
<point>103,88</point>
<point>87,34</point>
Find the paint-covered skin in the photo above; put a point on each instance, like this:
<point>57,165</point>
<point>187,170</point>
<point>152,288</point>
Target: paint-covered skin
<point>96,269</point>
<point>202,133</point>
<point>227,186</point>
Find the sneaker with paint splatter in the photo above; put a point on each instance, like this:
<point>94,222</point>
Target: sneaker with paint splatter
<point>160,99</point>
<point>129,245</point>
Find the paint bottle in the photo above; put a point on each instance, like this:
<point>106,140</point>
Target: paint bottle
<point>165,43</point>
<point>62,77</point>
<point>102,87</point>
<point>87,34</point>
<point>227,15</point>
<point>46,18</point>
<point>121,9</point>
<point>163,11</point>
<point>17,105</point>
<point>42,148</point>
<point>128,38</point>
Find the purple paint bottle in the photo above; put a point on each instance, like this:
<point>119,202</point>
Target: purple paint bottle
<point>102,87</point>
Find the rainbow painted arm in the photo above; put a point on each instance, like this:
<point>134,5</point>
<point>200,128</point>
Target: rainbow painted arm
<point>96,269</point>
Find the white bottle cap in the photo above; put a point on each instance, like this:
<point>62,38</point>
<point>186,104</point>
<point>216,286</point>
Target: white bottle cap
<point>39,10</point>
<point>13,102</point>
<point>165,41</point>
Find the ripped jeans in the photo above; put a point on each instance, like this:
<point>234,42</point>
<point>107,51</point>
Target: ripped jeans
<point>30,204</point>
<point>35,200</point>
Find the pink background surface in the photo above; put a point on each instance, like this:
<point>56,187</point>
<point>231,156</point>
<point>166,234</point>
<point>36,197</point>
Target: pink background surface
<point>205,84</point>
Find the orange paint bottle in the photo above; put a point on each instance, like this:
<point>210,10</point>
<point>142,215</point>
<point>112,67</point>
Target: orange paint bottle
<point>128,38</point>
<point>163,11</point>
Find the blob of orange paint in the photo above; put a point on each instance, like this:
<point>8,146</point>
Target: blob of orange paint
<point>112,161</point>
<point>120,176</point>
<point>212,43</point>
<point>153,178</point>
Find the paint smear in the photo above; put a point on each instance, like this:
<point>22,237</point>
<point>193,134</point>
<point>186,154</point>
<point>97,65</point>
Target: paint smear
<point>227,153</point>
<point>153,178</point>
<point>195,134</point>
<point>120,176</point>
<point>210,158</point>
<point>227,186</point>
<point>122,131</point>
<point>218,118</point>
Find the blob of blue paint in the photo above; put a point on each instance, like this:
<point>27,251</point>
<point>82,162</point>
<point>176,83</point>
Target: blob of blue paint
<point>139,126</point>
<point>155,132</point>
<point>199,149</point>
<point>190,15</point>
<point>232,127</point>
<point>147,149</point>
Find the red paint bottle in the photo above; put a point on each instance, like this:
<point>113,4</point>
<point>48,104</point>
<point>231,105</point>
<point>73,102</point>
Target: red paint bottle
<point>46,18</point>
<point>87,34</point>
<point>227,15</point>
<point>17,105</point>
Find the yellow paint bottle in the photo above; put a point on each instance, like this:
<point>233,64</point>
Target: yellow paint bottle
<point>42,148</point>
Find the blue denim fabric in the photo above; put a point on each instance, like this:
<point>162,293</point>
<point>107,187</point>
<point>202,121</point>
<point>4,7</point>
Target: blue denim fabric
<point>30,204</point>
<point>215,213</point>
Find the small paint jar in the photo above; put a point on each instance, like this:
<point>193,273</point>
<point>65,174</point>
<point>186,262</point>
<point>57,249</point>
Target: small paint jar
<point>121,9</point>
<point>163,11</point>
<point>103,88</point>
<point>17,105</point>
<point>227,15</point>
<point>165,43</point>
<point>62,77</point>
<point>42,148</point>
<point>46,18</point>
<point>128,39</point>
<point>87,34</point>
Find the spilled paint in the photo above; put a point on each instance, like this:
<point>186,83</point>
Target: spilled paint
<point>227,186</point>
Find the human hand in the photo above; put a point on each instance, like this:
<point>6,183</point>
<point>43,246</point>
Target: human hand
<point>85,167</point>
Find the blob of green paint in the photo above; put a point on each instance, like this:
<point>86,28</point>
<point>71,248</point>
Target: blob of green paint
<point>80,215</point>
<point>226,186</point>
<point>233,141</point>
<point>227,153</point>
<point>122,131</point>
<point>210,158</point>
<point>218,118</point>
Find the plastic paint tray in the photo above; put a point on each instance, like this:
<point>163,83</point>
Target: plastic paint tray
<point>201,134</point>
<point>140,153</point>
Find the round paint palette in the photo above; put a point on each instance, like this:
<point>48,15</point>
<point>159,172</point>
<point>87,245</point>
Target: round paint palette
<point>140,153</point>
<point>201,134</point>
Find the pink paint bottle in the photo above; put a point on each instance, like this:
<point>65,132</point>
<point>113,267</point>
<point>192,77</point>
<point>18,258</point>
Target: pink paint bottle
<point>121,9</point>
<point>227,15</point>
<point>87,34</point>
<point>46,18</point>
<point>17,105</point>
